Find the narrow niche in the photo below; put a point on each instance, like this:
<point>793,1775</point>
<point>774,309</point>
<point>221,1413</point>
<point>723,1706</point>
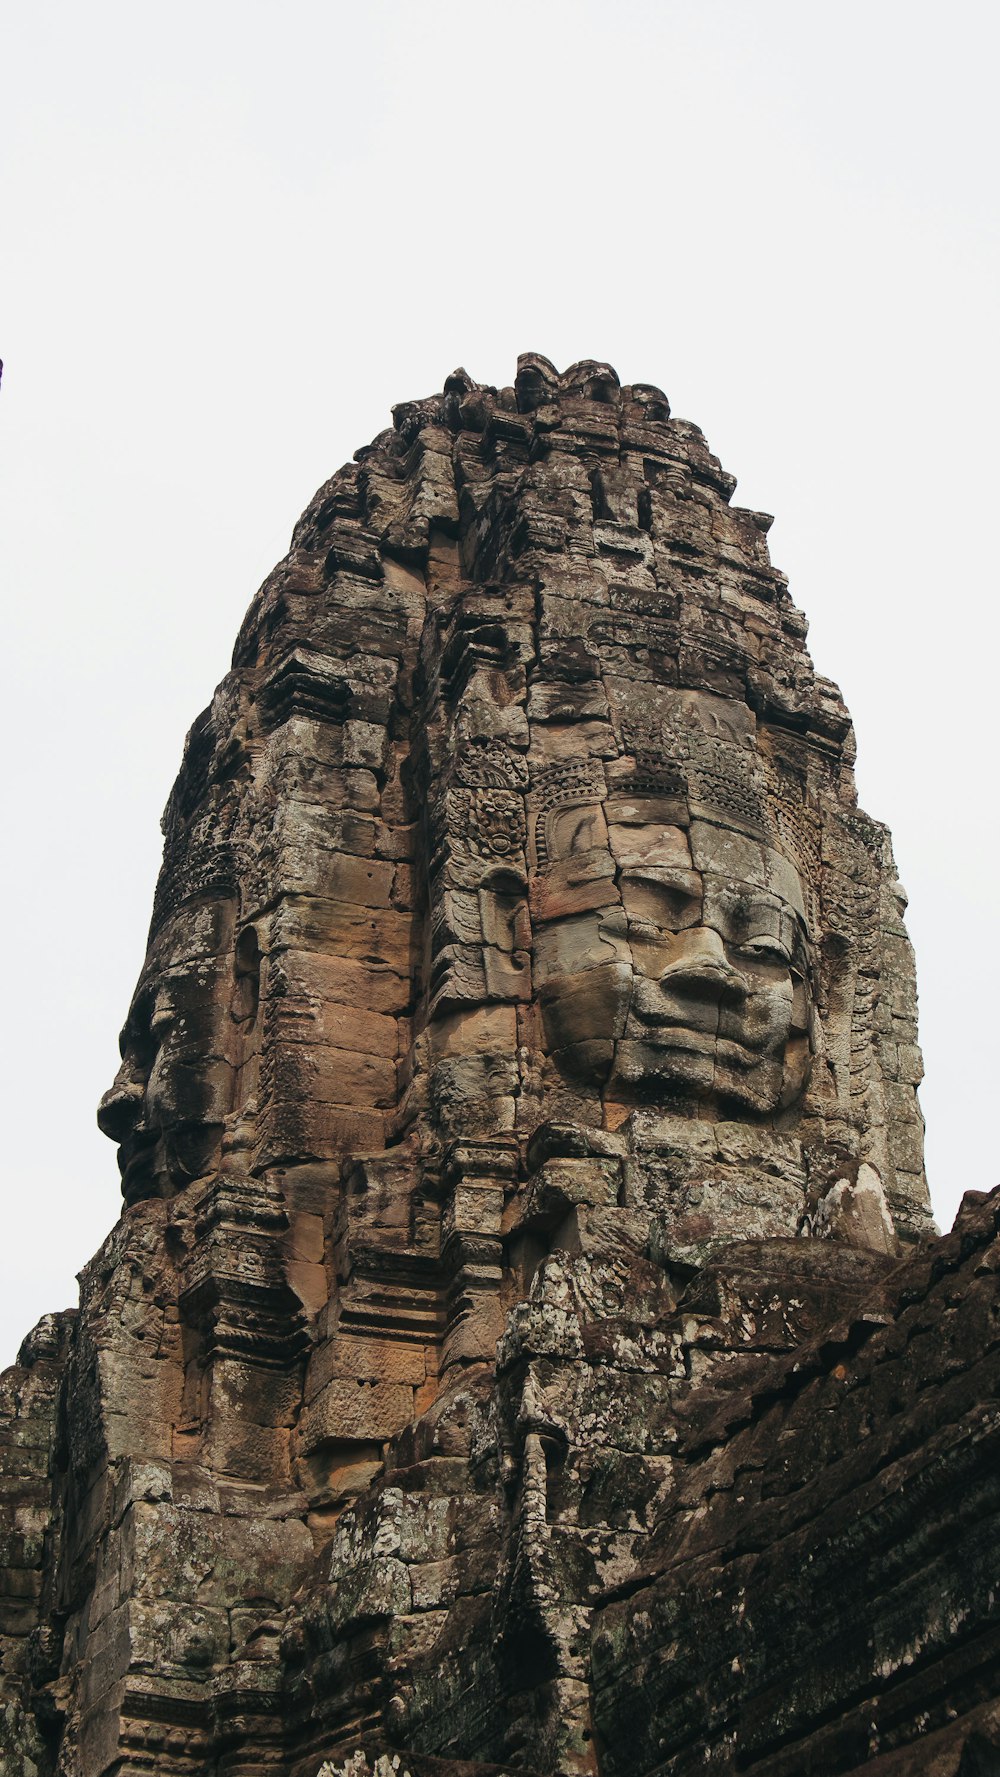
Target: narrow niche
<point>246,987</point>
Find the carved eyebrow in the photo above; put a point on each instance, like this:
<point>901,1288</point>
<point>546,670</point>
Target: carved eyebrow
<point>749,897</point>
<point>676,880</point>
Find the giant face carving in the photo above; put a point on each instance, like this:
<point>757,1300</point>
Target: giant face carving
<point>167,1106</point>
<point>670,933</point>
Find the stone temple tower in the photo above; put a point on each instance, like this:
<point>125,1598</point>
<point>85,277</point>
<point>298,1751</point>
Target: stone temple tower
<point>518,1093</point>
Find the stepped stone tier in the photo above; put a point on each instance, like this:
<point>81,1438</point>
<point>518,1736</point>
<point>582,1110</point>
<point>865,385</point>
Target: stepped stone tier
<point>525,1345</point>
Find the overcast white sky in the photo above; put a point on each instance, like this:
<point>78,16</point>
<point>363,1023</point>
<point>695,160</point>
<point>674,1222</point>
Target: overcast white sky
<point>234,235</point>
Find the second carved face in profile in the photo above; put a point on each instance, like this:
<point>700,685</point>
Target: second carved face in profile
<point>180,1047</point>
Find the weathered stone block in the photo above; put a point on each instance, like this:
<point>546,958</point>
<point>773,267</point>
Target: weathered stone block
<point>348,1408</point>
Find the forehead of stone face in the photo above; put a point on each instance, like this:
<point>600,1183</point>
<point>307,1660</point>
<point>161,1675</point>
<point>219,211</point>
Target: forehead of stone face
<point>734,859</point>
<point>186,957</point>
<point>640,835</point>
<point>196,931</point>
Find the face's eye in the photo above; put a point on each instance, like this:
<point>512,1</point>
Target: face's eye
<point>148,1023</point>
<point>757,927</point>
<point>764,949</point>
<point>662,902</point>
<point>643,929</point>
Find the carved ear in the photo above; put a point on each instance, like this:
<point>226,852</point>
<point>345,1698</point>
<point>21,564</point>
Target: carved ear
<point>575,885</point>
<point>573,828</point>
<point>503,911</point>
<point>246,968</point>
<point>797,1070</point>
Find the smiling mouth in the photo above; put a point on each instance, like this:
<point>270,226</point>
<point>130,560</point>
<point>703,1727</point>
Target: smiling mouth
<point>681,1040</point>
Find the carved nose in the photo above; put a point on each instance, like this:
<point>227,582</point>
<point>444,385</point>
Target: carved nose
<point>701,962</point>
<point>118,1111</point>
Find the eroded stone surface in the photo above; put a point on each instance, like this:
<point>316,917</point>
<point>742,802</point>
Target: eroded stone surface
<point>519,1091</point>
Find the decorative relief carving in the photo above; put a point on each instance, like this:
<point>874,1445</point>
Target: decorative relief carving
<point>490,764</point>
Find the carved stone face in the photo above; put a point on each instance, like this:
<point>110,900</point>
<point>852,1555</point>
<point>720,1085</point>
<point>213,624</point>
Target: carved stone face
<point>671,944</point>
<point>167,1105</point>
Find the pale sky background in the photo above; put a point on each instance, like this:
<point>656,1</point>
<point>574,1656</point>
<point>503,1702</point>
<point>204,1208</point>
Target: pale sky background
<point>232,236</point>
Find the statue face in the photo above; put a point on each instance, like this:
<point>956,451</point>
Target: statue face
<point>167,1105</point>
<point>671,949</point>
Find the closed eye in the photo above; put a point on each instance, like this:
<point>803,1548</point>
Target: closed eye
<point>765,950</point>
<point>643,928</point>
